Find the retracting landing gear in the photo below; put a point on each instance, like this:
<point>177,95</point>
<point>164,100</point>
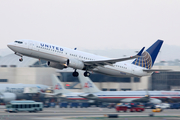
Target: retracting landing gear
<point>21,59</point>
<point>18,54</point>
<point>75,74</point>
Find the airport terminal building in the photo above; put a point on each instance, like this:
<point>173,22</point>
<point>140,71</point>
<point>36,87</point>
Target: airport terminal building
<point>34,71</point>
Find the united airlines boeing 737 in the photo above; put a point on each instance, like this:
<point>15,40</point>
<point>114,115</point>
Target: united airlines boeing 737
<point>62,57</point>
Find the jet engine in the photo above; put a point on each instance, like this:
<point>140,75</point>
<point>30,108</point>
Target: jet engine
<point>7,97</point>
<point>155,101</point>
<point>89,96</point>
<point>76,64</point>
<point>55,65</point>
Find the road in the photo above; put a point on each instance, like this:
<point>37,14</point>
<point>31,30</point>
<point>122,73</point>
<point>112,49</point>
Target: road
<point>88,113</point>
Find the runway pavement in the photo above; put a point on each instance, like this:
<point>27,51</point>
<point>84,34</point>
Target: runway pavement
<point>91,113</point>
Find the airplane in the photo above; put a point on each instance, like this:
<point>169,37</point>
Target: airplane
<point>155,97</point>
<point>61,57</point>
<point>9,92</point>
<point>65,95</point>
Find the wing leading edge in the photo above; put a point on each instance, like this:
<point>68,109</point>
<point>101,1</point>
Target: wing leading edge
<point>111,61</point>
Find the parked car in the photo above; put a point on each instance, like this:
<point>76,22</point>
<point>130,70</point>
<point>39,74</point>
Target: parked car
<point>158,109</point>
<point>163,106</point>
<point>175,106</point>
<point>132,108</point>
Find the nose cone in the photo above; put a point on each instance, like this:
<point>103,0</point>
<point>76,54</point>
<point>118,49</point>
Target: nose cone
<point>10,45</point>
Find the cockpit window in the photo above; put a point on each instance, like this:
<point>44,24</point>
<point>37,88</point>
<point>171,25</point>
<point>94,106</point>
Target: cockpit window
<point>18,42</point>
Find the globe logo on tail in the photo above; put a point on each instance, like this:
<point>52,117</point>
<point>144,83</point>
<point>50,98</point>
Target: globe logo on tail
<point>144,60</point>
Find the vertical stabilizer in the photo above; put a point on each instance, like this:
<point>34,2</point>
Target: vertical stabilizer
<point>148,57</point>
<point>86,83</point>
<point>58,86</point>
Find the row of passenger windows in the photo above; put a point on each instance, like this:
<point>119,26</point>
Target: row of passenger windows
<point>81,57</point>
<point>49,49</point>
<point>26,106</point>
<point>120,66</point>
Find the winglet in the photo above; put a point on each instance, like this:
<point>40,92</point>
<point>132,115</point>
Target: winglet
<point>140,52</point>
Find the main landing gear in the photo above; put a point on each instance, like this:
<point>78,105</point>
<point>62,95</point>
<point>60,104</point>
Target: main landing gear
<point>86,74</point>
<point>76,74</point>
<point>20,55</point>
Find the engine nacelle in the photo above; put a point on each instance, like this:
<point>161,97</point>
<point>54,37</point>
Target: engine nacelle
<point>76,64</point>
<point>155,101</point>
<point>55,65</point>
<point>7,97</point>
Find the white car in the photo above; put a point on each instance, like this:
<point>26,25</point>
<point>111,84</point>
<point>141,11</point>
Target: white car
<point>163,106</point>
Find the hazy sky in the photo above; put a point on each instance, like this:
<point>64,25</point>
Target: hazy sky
<point>91,24</point>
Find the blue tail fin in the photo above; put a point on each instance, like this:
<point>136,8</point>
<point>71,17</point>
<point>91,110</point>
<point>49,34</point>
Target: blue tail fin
<point>148,57</point>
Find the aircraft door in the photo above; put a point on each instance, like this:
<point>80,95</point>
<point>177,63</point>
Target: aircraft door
<point>30,45</point>
<point>133,68</point>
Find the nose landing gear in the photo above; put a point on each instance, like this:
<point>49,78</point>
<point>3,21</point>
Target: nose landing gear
<point>20,59</point>
<point>18,54</point>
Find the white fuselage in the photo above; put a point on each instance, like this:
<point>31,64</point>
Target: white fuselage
<point>18,89</point>
<point>58,54</point>
<point>127,96</point>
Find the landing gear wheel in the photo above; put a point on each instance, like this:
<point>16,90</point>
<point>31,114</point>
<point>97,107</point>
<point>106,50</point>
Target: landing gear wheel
<point>86,74</point>
<point>75,74</point>
<point>20,59</point>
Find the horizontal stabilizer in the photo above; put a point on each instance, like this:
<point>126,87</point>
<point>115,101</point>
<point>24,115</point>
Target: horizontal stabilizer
<point>140,52</point>
<point>156,70</point>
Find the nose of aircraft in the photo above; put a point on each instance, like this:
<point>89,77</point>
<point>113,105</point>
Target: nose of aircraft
<point>10,45</point>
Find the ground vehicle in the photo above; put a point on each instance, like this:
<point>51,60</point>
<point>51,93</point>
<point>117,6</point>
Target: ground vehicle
<point>27,105</point>
<point>158,109</point>
<point>175,106</point>
<point>138,108</point>
<point>121,108</point>
<point>134,108</point>
<point>163,106</point>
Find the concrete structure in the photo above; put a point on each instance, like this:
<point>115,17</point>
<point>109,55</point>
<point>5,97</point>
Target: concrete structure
<point>27,75</point>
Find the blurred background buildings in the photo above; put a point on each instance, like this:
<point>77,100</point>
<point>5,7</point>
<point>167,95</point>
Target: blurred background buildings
<point>33,71</point>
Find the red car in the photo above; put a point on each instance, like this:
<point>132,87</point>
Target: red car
<point>138,108</point>
<point>121,108</point>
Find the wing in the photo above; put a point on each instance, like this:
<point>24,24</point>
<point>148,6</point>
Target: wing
<point>93,64</point>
